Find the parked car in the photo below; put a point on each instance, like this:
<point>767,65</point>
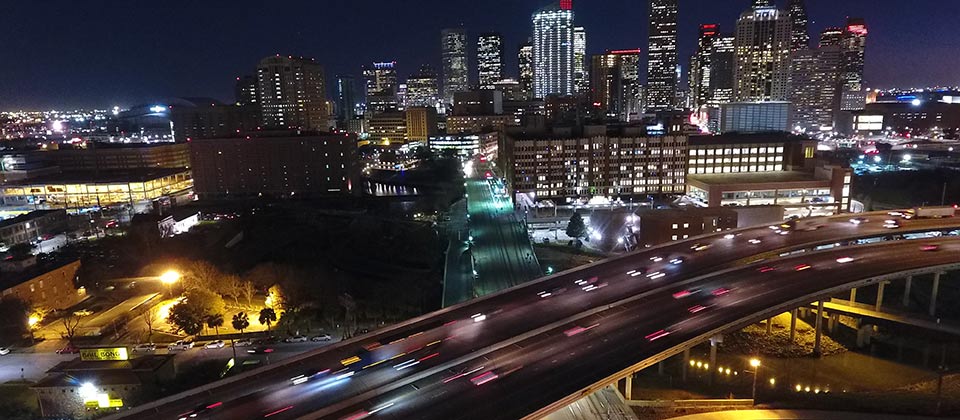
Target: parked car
<point>296,339</point>
<point>260,350</point>
<point>69,349</point>
<point>180,345</point>
<point>144,347</point>
<point>322,337</point>
<point>218,344</point>
<point>243,342</point>
<point>4,350</point>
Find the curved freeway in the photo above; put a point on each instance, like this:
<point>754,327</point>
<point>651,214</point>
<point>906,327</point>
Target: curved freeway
<point>468,343</point>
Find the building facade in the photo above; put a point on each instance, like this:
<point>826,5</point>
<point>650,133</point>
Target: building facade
<point>32,226</point>
<point>489,59</point>
<point>701,68</point>
<point>755,117</point>
<point>285,166</point>
<point>581,74</point>
<point>83,190</point>
<point>799,35</point>
<point>662,55</point>
<point>762,69</point>
<point>292,93</point>
<point>553,50</point>
<point>853,46</point>
<point>614,87</point>
<point>453,46</point>
<point>422,89</point>
<point>421,123</point>
<point>346,98</point>
<point>381,86</point>
<point>814,79</point>
<point>51,287</point>
<point>525,71</point>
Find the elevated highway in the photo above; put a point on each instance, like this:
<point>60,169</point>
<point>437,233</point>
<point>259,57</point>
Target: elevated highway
<point>555,339</point>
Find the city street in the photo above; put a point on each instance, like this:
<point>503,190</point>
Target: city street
<point>34,365</point>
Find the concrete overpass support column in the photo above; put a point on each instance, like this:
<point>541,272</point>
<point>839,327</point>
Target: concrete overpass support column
<point>819,329</point>
<point>769,325</point>
<point>906,291</point>
<point>853,295</point>
<point>879,296</point>
<point>933,294</point>
<point>628,389</point>
<point>714,341</point>
<point>684,365</point>
<point>832,322</point>
<point>793,325</point>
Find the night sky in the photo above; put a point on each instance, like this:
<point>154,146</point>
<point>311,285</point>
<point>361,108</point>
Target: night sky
<point>98,53</point>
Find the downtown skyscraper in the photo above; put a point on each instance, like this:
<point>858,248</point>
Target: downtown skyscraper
<point>453,47</point>
<point>346,98</point>
<point>814,82</point>
<point>662,56</point>
<point>615,85</point>
<point>762,70</point>
<point>553,50</point>
<point>853,45</point>
<point>581,77</point>
<point>525,71</point>
<point>292,93</point>
<point>381,86</point>
<point>700,65</point>
<point>489,59</point>
<point>799,36</point>
<point>422,89</point>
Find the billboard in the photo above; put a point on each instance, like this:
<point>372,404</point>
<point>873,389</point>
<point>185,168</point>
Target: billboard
<point>116,353</point>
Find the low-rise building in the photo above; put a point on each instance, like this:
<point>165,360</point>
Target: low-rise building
<point>457,124</point>
<point>388,127</point>
<point>51,286</point>
<point>281,164</point>
<point>82,190</point>
<point>757,152</point>
<point>29,227</point>
<point>654,227</point>
<point>421,123</point>
<point>755,117</point>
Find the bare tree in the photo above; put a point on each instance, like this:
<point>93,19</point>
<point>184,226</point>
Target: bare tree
<point>233,285</point>
<point>70,324</point>
<point>247,290</point>
<point>150,317</point>
<point>202,275</point>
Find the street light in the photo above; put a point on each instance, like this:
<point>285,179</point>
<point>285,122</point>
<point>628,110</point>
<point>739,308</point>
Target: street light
<point>755,363</point>
<point>170,277</point>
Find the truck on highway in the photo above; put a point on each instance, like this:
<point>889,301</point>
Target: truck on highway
<point>807,223</point>
<point>932,212</point>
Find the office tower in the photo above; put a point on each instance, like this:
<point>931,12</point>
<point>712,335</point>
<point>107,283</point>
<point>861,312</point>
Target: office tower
<point>525,60</point>
<point>722,63</point>
<point>761,3</point>
<point>799,37</point>
<point>346,97</point>
<point>853,46</point>
<point>831,37</point>
<point>581,79</point>
<point>553,49</point>
<point>662,55</point>
<point>421,123</point>
<point>248,99</point>
<point>292,93</point>
<point>489,59</point>
<point>814,77</point>
<point>381,86</point>
<point>453,47</point>
<point>614,84</point>
<point>700,68</point>
<point>763,55</point>
<point>422,89</point>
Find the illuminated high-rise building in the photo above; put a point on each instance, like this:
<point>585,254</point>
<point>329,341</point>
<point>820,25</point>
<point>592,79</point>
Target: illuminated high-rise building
<point>489,59</point>
<point>553,49</point>
<point>700,67</point>
<point>799,36</point>
<point>248,99</point>
<point>422,89</point>
<point>831,37</point>
<point>761,3</point>
<point>662,55</point>
<point>762,69</point>
<point>292,93</point>
<point>614,83</point>
<point>723,60</point>
<point>453,47</point>
<point>381,86</point>
<point>853,46</point>
<point>814,76</point>
<point>581,78</point>
<point>525,61</point>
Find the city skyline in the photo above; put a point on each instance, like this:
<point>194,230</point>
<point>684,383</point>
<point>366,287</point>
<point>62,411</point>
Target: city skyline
<point>131,63</point>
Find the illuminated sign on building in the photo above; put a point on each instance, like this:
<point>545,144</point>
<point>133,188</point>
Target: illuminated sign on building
<point>566,4</point>
<point>117,353</point>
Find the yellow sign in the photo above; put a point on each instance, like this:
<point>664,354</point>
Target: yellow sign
<point>117,353</point>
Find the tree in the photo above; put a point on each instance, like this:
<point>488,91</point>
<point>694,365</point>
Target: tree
<point>241,322</point>
<point>149,317</point>
<point>186,318</point>
<point>202,275</point>
<point>71,323</point>
<point>268,316</point>
<point>215,321</point>
<point>233,287</point>
<point>246,291</point>
<point>576,228</point>
<point>205,302</point>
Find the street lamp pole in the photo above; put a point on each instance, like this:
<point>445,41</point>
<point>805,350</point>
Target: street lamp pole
<point>755,363</point>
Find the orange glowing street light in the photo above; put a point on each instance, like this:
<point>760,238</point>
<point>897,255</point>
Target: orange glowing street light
<point>170,277</point>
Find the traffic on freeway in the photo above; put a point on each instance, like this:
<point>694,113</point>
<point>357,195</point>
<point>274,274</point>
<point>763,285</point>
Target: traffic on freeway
<point>352,373</point>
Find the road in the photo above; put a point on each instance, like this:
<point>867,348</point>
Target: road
<point>501,247</point>
<point>520,325</point>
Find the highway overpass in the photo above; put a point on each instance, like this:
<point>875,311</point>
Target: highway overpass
<point>532,348</point>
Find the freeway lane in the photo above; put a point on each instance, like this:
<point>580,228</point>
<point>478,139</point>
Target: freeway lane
<point>554,366</point>
<point>511,313</point>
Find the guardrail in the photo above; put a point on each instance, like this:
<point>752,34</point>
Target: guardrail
<point>717,403</point>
